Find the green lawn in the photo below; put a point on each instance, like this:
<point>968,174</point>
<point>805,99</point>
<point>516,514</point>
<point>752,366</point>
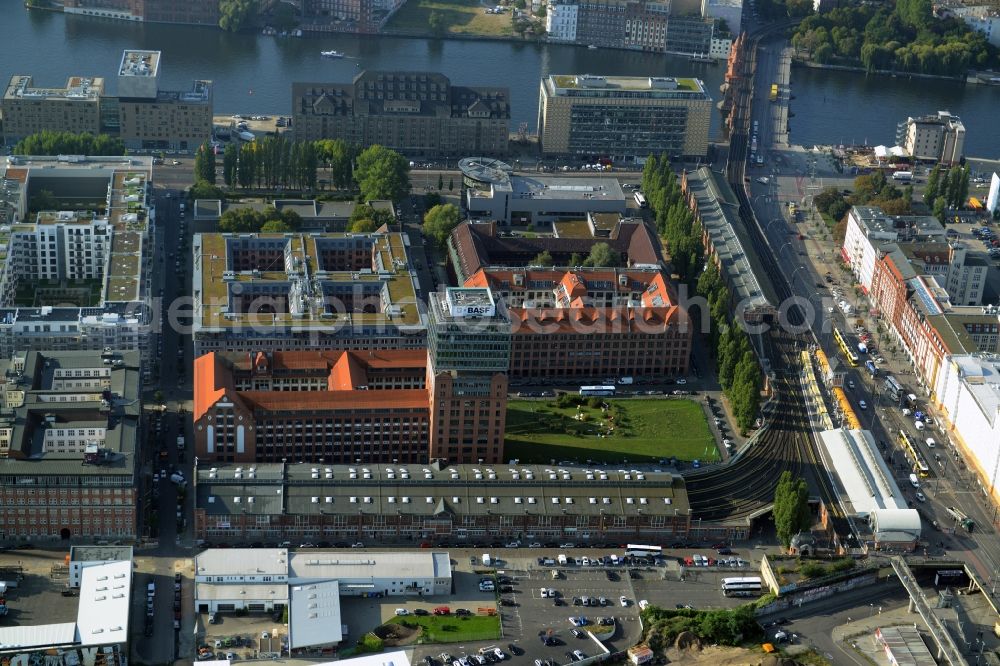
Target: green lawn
<point>644,430</point>
<point>463,17</point>
<point>453,628</point>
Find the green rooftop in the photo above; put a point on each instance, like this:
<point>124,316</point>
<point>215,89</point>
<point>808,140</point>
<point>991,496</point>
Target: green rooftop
<point>630,83</point>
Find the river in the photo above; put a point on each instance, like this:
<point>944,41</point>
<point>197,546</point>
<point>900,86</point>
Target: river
<point>254,73</point>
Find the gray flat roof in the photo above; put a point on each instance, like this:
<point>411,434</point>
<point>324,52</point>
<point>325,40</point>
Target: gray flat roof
<point>242,561</point>
<point>430,489</point>
<point>363,565</point>
<point>314,614</point>
<point>719,213</point>
<point>246,591</point>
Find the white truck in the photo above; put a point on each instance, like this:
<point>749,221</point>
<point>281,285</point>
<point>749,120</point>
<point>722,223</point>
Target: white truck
<point>487,560</point>
<point>562,559</point>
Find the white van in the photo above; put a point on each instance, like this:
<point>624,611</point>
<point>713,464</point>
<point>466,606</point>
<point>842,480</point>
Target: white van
<point>919,425</point>
<point>914,481</point>
<point>562,559</point>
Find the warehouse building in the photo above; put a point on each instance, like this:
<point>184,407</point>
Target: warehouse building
<point>90,629</point>
<point>435,503</point>
<point>310,584</point>
<point>626,117</point>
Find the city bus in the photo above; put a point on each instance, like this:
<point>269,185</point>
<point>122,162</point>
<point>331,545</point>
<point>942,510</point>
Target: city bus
<point>638,550</point>
<point>919,464</point>
<point>747,586</point>
<point>892,389</point>
<point>597,390</point>
<point>845,346</point>
<point>640,200</point>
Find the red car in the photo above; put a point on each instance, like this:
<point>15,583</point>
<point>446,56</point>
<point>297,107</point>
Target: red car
<point>442,610</point>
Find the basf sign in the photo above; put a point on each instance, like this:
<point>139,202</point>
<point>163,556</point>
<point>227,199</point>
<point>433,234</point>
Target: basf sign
<point>472,310</point>
<point>470,302</point>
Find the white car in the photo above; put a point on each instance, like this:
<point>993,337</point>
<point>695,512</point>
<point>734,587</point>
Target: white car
<point>862,404</point>
<point>682,381</point>
<point>402,611</point>
<point>544,593</point>
<point>920,497</point>
<point>623,601</point>
<point>931,443</point>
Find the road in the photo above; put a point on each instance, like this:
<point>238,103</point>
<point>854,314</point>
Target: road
<point>168,541</point>
<point>806,254</point>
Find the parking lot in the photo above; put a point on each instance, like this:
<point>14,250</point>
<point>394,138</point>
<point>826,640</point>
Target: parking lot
<point>528,615</point>
<point>238,636</point>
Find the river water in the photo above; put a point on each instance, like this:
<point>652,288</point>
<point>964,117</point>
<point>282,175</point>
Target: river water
<point>254,73</point>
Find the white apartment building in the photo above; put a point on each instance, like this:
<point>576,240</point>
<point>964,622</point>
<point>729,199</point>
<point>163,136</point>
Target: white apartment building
<point>937,138</point>
<point>993,198</point>
<point>720,47</point>
<point>968,394</point>
<point>560,22</point>
<point>76,279</point>
<point>962,275</point>
<point>868,228</point>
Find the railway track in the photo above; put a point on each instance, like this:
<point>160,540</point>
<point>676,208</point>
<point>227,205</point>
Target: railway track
<point>746,486</point>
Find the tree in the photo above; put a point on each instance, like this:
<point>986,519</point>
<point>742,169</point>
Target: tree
<point>275,227</point>
<point>363,226</point>
<point>382,173</point>
<point>440,221</point>
<point>791,507</point>
<point>440,182</point>
<point>204,163</point>
<point>291,219</point>
<point>241,220</point>
<point>438,24</point>
<point>229,156</point>
<point>575,259</point>
<point>48,142</point>
<point>933,184</point>
<point>939,206</point>
<point>338,155</point>
<point>366,219</point>
<point>203,190</point>
<point>43,200</point>
<point>543,258</point>
<point>602,255</point>
<point>235,15</point>
<point>451,184</point>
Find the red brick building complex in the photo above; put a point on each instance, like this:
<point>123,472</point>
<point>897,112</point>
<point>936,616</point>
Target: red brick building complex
<point>576,322</point>
<point>406,406</point>
<point>591,323</point>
